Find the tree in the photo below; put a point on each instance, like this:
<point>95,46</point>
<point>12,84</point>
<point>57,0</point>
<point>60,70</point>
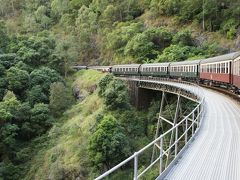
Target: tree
<point>175,53</point>
<point>59,7</point>
<point>41,17</point>
<point>3,37</point>
<point>8,127</point>
<point>108,145</point>
<point>86,26</point>
<point>40,119</point>
<point>8,60</point>
<point>36,95</point>
<point>44,77</point>
<point>116,95</point>
<point>18,80</point>
<point>146,45</point>
<point>183,38</point>
<point>66,51</point>
<point>60,98</point>
<point>104,83</point>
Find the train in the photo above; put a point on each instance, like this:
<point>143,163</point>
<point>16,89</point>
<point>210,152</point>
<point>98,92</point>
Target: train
<point>222,71</point>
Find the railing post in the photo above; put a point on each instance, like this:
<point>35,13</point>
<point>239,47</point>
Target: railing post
<point>198,119</point>
<point>135,167</point>
<point>193,123</point>
<point>186,131</point>
<point>161,155</point>
<point>176,141</point>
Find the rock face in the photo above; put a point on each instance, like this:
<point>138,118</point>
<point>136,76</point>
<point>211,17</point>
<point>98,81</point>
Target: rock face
<point>77,93</point>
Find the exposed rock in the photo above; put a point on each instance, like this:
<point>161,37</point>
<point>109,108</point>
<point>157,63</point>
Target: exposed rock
<point>77,93</point>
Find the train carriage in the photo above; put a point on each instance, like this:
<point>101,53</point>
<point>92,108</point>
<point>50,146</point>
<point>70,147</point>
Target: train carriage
<point>101,68</point>
<point>154,69</point>
<point>126,69</point>
<point>217,69</point>
<point>185,69</point>
<point>236,70</point>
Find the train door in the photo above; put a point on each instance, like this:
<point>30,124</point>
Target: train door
<point>231,64</point>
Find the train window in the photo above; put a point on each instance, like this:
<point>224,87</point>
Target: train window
<point>223,68</point>
<point>227,67</point>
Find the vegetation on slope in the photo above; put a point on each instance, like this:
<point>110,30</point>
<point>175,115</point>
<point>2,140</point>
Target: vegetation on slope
<point>41,40</point>
<point>66,154</point>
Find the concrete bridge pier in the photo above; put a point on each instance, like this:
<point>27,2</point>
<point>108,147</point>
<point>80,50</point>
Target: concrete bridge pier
<point>141,98</point>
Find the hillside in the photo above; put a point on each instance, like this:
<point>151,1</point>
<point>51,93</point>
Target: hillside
<point>52,119</point>
<point>108,32</point>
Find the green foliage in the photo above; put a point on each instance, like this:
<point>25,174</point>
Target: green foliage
<point>3,38</point>
<point>44,77</point>
<point>36,95</point>
<point>86,24</point>
<point>18,80</point>
<point>41,40</point>
<point>147,44</point>
<point>40,119</point>
<point>60,98</point>
<point>8,60</point>
<point>116,95</point>
<point>183,38</point>
<point>104,83</point>
<point>118,38</point>
<point>174,53</point>
<point>166,7</point>
<point>108,144</point>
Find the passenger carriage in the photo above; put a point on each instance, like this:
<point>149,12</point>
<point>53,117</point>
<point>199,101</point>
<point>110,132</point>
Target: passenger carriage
<point>217,69</point>
<point>185,69</point>
<point>236,70</point>
<point>154,69</point>
<point>101,68</point>
<point>126,69</point>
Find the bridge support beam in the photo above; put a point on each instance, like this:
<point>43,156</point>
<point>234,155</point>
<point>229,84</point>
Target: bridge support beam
<point>141,98</point>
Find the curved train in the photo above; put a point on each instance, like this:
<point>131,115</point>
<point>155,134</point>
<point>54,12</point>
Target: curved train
<point>223,71</point>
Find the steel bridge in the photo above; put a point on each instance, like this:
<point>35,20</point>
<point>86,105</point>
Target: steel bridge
<point>205,144</point>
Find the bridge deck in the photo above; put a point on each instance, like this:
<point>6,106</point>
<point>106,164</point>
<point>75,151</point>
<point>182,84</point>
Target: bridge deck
<point>215,152</point>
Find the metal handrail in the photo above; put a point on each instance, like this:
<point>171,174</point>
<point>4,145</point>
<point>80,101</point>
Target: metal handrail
<point>195,120</point>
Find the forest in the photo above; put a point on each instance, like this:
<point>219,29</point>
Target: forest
<point>48,133</point>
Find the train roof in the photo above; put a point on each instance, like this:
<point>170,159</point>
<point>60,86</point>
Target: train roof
<point>155,64</point>
<point>188,62</point>
<point>79,67</point>
<point>126,65</point>
<point>230,56</point>
<point>98,67</point>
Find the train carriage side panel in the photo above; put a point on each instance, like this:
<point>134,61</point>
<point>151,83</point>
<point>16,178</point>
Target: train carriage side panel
<point>217,69</point>
<point>236,71</point>
<point>126,69</point>
<point>185,69</point>
<point>155,69</point>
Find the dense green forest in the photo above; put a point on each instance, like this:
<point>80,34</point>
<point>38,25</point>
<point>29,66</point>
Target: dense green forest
<point>46,133</point>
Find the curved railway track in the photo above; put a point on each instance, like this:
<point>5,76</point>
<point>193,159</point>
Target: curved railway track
<point>215,152</point>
